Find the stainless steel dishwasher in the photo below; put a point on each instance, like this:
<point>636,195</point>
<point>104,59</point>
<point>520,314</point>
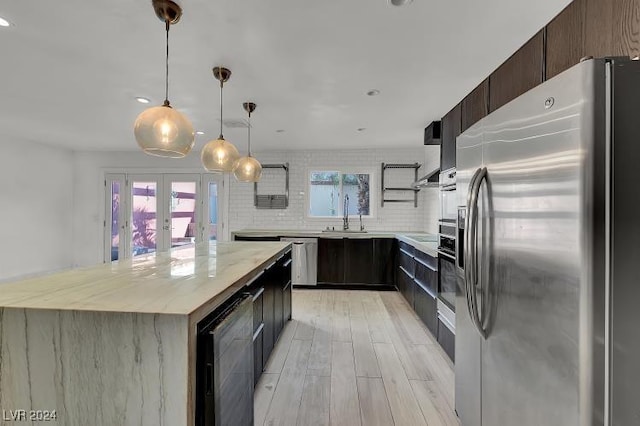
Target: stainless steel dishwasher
<point>304,270</point>
<point>224,366</point>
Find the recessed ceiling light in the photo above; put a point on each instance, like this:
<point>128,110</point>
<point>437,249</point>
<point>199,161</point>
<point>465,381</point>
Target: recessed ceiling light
<point>199,132</point>
<point>373,92</point>
<point>142,100</point>
<point>280,131</point>
<point>4,22</point>
<point>362,129</point>
<point>400,2</point>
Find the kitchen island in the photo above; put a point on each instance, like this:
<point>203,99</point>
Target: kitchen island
<point>115,344</point>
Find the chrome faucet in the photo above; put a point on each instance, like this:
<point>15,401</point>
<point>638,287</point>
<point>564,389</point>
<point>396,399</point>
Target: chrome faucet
<point>345,219</point>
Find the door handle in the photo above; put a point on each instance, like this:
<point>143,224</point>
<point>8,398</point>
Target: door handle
<point>471,263</point>
<point>467,244</point>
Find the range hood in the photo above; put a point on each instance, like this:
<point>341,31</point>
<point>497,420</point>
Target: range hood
<point>430,180</point>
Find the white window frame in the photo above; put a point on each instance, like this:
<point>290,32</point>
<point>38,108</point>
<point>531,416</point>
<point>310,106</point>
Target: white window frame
<point>373,191</point>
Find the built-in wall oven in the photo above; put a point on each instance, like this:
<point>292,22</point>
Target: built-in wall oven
<point>447,239</point>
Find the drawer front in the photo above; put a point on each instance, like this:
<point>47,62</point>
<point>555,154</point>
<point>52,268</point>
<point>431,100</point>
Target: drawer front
<point>447,340</point>
<point>406,247</point>
<point>427,260</point>
<point>426,308</point>
<point>407,262</point>
<point>426,277</point>
<point>406,286</point>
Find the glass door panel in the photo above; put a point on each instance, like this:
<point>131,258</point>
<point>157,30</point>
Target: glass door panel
<point>115,223</point>
<point>146,219</point>
<point>213,192</point>
<point>184,197</point>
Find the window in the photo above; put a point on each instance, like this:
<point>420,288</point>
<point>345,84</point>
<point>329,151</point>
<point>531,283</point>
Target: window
<point>330,190</point>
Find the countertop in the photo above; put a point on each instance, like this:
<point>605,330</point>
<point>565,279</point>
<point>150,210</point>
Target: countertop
<point>428,243</point>
<point>175,282</point>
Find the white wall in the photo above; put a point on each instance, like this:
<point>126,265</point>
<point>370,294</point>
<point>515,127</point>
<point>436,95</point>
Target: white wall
<point>432,195</point>
<point>36,193</point>
<point>88,206</point>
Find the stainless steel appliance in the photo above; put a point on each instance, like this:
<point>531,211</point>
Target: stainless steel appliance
<point>304,270</point>
<point>224,366</point>
<point>447,249</point>
<point>448,198</point>
<point>547,317</point>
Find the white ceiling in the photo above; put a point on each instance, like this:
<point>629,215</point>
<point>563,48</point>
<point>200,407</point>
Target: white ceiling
<point>70,70</point>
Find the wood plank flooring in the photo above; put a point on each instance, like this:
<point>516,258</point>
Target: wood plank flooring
<point>355,358</point>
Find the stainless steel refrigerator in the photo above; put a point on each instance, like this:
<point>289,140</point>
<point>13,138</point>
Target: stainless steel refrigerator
<point>548,259</point>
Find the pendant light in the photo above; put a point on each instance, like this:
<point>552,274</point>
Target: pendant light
<point>248,169</point>
<point>162,130</point>
<point>219,155</point>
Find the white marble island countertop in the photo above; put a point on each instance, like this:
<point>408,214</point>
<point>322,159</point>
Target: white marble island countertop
<point>116,344</point>
<point>176,282</point>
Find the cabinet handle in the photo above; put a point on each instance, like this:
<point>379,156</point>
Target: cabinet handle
<point>252,280</point>
<point>287,263</point>
<point>258,294</point>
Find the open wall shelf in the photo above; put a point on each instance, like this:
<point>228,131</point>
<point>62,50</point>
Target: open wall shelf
<point>384,190</point>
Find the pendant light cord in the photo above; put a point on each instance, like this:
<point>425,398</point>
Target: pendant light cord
<point>249,127</point>
<point>221,86</point>
<point>166,63</point>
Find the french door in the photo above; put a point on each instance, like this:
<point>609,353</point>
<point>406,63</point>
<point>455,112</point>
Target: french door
<point>154,212</point>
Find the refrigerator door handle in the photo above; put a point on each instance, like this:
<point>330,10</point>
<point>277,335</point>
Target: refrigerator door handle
<point>472,263</point>
<point>467,244</point>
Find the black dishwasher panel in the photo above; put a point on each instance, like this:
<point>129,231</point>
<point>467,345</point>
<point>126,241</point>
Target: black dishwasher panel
<point>225,366</point>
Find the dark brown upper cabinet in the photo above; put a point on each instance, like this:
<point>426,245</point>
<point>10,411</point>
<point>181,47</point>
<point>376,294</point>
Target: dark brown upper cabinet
<point>565,39</point>
<point>451,125</point>
<point>475,106</point>
<point>521,72</point>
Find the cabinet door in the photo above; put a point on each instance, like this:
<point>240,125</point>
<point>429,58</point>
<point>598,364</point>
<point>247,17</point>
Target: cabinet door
<point>278,309</point>
<point>268,303</point>
<point>518,74</point>
<point>451,124</point>
<point>475,106</point>
<point>331,260</point>
<point>358,263</point>
<point>565,41</point>
<point>258,353</point>
<point>286,302</point>
<point>383,260</point>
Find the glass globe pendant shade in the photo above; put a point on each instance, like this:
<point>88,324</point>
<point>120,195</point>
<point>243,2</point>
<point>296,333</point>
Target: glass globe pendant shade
<point>219,156</point>
<point>248,169</point>
<point>164,132</point>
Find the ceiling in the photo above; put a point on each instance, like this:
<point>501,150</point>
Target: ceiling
<point>70,72</point>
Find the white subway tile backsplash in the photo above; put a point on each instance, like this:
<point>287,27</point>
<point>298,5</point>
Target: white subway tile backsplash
<point>391,217</point>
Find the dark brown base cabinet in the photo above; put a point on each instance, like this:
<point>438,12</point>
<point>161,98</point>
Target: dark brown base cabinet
<point>368,261</point>
<point>417,281</point>
<point>271,293</point>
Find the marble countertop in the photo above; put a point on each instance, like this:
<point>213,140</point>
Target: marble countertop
<point>175,282</point>
<point>422,241</point>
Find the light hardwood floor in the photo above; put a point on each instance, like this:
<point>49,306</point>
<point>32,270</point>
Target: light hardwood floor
<point>355,358</point>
